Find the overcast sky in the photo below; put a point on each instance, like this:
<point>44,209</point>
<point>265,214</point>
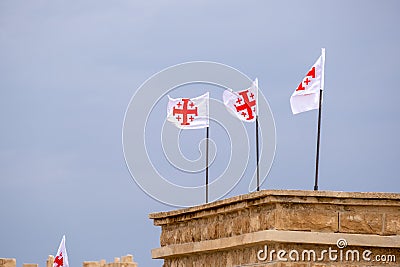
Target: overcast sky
<point>68,70</point>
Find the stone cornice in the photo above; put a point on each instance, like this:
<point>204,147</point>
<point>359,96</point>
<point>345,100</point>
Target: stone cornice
<point>262,237</point>
<point>278,196</point>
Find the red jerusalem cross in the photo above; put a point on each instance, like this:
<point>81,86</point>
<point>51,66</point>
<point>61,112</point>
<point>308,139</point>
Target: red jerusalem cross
<point>185,111</point>
<point>59,260</point>
<point>247,105</point>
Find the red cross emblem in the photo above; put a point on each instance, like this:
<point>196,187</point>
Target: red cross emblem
<point>184,112</point>
<point>306,81</point>
<point>249,105</point>
<point>59,260</point>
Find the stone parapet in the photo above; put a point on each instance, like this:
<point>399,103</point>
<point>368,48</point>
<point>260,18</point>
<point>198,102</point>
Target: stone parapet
<point>124,261</point>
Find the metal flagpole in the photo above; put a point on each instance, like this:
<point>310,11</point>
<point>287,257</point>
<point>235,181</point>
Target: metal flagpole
<point>318,140</point>
<point>257,155</point>
<point>207,135</point>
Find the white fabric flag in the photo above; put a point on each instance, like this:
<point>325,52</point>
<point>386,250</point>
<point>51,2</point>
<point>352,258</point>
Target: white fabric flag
<point>306,96</point>
<point>61,259</point>
<point>243,104</point>
<point>189,113</point>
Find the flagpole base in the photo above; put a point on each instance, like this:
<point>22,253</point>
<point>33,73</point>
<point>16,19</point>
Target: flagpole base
<point>315,187</point>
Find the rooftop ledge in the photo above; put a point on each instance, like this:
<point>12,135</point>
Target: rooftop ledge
<point>289,196</point>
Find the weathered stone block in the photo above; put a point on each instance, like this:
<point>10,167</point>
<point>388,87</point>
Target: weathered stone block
<point>127,258</point>
<point>187,235</point>
<point>6,262</point>
<point>50,261</point>
<point>392,224</point>
<point>91,264</point>
<point>236,226</point>
<point>204,233</point>
<point>255,223</point>
<point>361,222</point>
<point>245,224</point>
<point>267,219</point>
<point>306,218</point>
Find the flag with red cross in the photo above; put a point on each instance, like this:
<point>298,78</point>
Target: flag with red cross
<point>243,104</point>
<point>189,113</point>
<point>306,95</point>
<point>61,259</point>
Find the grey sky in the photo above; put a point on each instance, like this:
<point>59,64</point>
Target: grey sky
<point>69,68</point>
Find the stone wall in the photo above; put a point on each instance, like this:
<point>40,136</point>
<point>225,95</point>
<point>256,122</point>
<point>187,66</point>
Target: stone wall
<point>124,261</point>
<point>231,232</point>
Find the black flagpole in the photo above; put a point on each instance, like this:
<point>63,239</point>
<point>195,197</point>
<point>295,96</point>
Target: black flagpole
<point>257,155</point>
<point>318,140</point>
<point>207,135</point>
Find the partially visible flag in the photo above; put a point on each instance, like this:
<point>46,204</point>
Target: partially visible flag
<point>189,113</point>
<point>243,104</point>
<point>61,259</point>
<point>306,96</point>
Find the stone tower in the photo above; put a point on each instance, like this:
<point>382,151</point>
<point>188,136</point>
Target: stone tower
<point>284,228</point>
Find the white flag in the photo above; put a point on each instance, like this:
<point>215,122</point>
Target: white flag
<point>61,259</point>
<point>306,96</point>
<point>243,104</point>
<point>189,113</point>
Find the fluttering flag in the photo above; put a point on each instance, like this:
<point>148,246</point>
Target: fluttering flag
<point>61,259</point>
<point>306,96</point>
<point>243,104</point>
<point>189,113</point>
